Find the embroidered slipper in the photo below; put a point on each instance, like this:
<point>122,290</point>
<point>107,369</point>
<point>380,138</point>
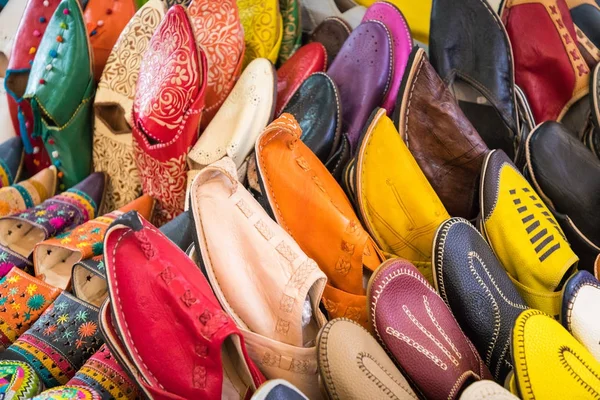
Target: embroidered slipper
<point>394,20</point>
<point>549,362</point>
<point>263,29</point>
<point>60,341</point>
<point>581,294</point>
<point>307,60</point>
<point>164,131</point>
<point>11,161</point>
<point>418,329</point>
<point>275,272</point>
<point>442,140</point>
<point>104,20</point>
<point>23,299</point>
<point>19,233</point>
<point>354,366</point>
<point>242,117</point>
<point>393,198</point>
<point>218,31</point>
<point>27,41</point>
<point>292,29</point>
<point>113,146</point>
<point>524,235</point>
<point>68,393</point>
<point>341,248</point>
<point>28,193</point>
<point>331,33</point>
<point>104,375</point>
<point>19,381</point>
<point>60,98</point>
<point>473,283</point>
<point>54,258</point>
<point>368,54</point>
<point>317,108</point>
<point>586,16</point>
<point>166,292</point>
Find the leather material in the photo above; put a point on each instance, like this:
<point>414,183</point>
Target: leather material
<point>218,31</point>
<point>167,294</point>
<point>291,175</point>
<point>28,193</point>
<point>314,12</point>
<point>368,54</point>
<point>307,60</point>
<point>88,279</point>
<point>27,295</point>
<point>244,114</point>
<point>591,138</point>
<point>550,41</point>
<point>393,198</point>
<point>473,283</point>
<point>9,23</point>
<point>278,278</point>
<point>555,160</point>
<point>112,145</point>
<point>104,375</point>
<point>292,29</point>
<point>278,389</point>
<point>524,235</point>
<point>586,17</point>
<point>61,98</point>
<point>105,20</point>
<point>446,146</point>
<point>163,133</point>
<point>552,364</point>
<point>487,390</point>
<point>19,233</point>
<point>68,392</point>
<point>581,294</point>
<point>20,380</point>
<point>180,230</point>
<point>417,14</point>
<point>336,164</point>
<point>317,108</point>
<point>60,341</point>
<point>488,72</point>
<point>263,29</point>
<point>54,258</point>
<point>11,161</point>
<point>394,20</point>
<point>420,332</point>
<point>331,33</point>
<point>27,41</point>
<point>354,366</point>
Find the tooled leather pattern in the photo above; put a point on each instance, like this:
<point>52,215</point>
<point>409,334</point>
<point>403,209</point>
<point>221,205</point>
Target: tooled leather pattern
<point>292,29</point>
<point>262,27</point>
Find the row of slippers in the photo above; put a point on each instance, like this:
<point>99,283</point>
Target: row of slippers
<point>487,289</point>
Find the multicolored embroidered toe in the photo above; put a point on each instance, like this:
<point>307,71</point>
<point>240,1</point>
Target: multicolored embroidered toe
<point>23,299</point>
<point>29,193</point>
<point>60,341</point>
<point>68,393</point>
<point>19,233</point>
<point>11,161</point>
<point>18,381</point>
<point>103,374</point>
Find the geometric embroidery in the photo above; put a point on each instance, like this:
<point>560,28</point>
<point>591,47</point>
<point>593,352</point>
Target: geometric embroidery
<point>543,241</point>
<point>286,252</point>
<point>286,304</point>
<point>263,229</point>
<point>283,326</point>
<point>244,208</point>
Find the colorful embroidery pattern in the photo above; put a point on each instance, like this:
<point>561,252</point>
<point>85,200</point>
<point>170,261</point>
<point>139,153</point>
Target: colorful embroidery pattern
<point>68,393</point>
<point>103,374</point>
<point>23,299</point>
<point>61,212</point>
<point>61,340</point>
<point>18,381</point>
<point>6,178</point>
